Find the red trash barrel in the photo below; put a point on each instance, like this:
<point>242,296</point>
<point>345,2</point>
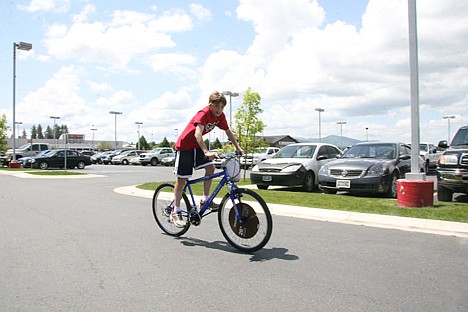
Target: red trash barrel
<point>414,193</point>
<point>14,164</point>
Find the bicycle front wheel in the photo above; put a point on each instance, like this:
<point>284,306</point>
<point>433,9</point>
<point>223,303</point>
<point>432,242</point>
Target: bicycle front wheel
<point>163,202</point>
<point>248,225</point>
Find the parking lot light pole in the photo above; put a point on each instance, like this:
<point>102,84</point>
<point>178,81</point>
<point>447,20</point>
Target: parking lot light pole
<point>341,123</point>
<point>320,111</point>
<point>138,123</point>
<point>92,142</point>
<point>115,125</point>
<point>448,123</point>
<point>231,95</point>
<point>25,47</point>
<point>55,138</point>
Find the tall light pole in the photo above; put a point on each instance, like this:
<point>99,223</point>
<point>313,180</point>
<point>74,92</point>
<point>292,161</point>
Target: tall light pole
<point>341,123</point>
<point>17,123</point>
<point>231,95</point>
<point>320,111</point>
<point>26,47</point>
<point>92,142</point>
<point>138,123</point>
<point>115,127</point>
<point>367,134</point>
<point>448,122</point>
<point>55,138</point>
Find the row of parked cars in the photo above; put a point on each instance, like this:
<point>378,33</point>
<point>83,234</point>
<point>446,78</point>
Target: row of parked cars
<point>161,155</point>
<point>367,167</point>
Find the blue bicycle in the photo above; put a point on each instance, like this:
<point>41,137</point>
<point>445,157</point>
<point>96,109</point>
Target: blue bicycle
<point>243,216</point>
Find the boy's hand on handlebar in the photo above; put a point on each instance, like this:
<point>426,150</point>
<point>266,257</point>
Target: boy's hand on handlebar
<point>211,155</point>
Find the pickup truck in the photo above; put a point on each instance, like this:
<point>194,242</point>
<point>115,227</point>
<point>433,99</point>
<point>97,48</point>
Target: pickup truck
<point>155,156</point>
<point>452,167</point>
<point>260,154</point>
<point>27,150</point>
<point>430,154</point>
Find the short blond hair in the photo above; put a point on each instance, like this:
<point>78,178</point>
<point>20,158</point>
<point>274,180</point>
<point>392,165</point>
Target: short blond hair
<point>217,97</point>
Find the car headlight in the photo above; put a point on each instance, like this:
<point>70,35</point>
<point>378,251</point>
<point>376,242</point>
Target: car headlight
<point>448,160</point>
<point>291,168</point>
<point>377,169</point>
<point>324,169</point>
<point>255,168</point>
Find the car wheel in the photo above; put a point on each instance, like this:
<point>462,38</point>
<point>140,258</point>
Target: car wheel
<point>309,182</point>
<point>124,162</point>
<point>144,164</point>
<point>262,187</point>
<point>426,167</point>
<point>43,165</point>
<point>154,162</point>
<point>81,165</point>
<point>443,193</point>
<point>392,189</point>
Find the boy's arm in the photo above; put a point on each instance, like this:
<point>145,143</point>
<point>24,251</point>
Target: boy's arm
<point>232,138</point>
<point>201,143</point>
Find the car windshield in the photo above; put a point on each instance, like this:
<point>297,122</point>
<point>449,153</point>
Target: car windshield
<point>423,147</point>
<point>379,151</point>
<point>461,138</point>
<point>296,151</point>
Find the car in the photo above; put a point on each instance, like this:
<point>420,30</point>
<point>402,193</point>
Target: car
<point>294,165</point>
<point>125,157</point>
<point>168,161</point>
<point>107,159</point>
<point>155,156</point>
<point>135,161</point>
<point>56,159</point>
<point>27,161</point>
<point>259,154</point>
<point>97,158</point>
<point>452,167</point>
<point>368,167</point>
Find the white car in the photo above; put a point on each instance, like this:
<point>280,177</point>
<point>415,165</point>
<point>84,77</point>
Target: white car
<point>294,165</point>
<point>260,154</point>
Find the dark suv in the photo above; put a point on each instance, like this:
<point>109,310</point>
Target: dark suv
<point>452,167</point>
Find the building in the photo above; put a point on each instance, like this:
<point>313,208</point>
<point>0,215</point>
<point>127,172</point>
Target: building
<point>279,140</point>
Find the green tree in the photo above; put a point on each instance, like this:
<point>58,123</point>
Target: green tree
<point>33,132</point>
<point>49,133</point>
<point>165,143</point>
<point>40,135</point>
<point>25,135</point>
<point>3,134</point>
<point>248,122</point>
<point>217,144</point>
<point>143,144</point>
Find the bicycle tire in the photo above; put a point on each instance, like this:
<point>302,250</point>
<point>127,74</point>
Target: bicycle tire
<point>255,230</point>
<point>162,199</point>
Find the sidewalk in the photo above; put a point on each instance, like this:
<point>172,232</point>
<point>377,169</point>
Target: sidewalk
<point>457,229</point>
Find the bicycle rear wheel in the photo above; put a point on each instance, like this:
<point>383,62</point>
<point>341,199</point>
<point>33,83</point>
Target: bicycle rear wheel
<point>163,202</point>
<point>253,229</point>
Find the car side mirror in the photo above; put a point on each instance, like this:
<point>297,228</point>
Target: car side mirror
<point>322,157</point>
<point>405,157</point>
<point>443,144</point>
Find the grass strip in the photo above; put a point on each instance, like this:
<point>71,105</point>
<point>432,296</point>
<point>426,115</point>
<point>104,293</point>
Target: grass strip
<point>446,211</point>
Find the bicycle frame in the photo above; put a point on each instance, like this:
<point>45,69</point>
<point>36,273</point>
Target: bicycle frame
<point>221,184</point>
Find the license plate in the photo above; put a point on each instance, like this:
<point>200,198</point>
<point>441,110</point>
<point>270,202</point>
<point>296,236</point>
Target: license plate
<point>266,178</point>
<point>343,183</point>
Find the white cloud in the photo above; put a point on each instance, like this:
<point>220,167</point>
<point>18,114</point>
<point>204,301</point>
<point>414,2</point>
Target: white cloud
<point>85,12</point>
<point>201,13</point>
<point>60,6</point>
<point>176,63</point>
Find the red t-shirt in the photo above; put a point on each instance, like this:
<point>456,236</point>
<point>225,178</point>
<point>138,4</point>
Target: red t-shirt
<point>187,141</point>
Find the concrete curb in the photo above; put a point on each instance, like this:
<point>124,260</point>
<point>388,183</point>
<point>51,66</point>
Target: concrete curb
<point>457,229</point>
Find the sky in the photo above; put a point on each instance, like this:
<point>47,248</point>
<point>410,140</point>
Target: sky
<point>158,61</point>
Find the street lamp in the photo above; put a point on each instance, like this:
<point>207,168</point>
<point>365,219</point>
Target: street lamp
<point>231,95</point>
<point>115,127</point>
<point>17,123</point>
<point>138,123</point>
<point>341,123</point>
<point>92,142</point>
<point>55,138</point>
<point>320,111</point>
<point>448,122</point>
<point>26,47</point>
<point>367,134</point>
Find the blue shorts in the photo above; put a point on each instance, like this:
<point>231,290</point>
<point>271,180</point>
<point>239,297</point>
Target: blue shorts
<point>186,161</point>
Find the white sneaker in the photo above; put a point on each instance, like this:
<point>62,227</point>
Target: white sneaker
<point>177,218</point>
